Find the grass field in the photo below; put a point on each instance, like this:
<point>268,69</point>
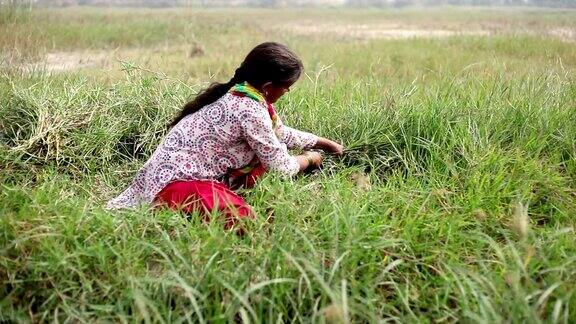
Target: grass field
<point>457,201</point>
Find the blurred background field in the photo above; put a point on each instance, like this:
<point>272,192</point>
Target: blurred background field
<point>457,201</point>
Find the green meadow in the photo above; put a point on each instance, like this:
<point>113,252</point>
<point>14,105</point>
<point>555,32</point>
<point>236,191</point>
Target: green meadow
<point>455,202</point>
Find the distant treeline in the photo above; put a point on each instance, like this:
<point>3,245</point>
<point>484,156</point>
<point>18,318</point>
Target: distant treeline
<point>294,3</point>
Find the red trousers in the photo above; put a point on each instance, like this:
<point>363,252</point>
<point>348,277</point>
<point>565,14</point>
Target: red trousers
<point>210,196</point>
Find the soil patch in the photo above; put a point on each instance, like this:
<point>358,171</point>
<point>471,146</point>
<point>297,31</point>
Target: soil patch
<point>67,61</point>
<point>377,31</point>
<point>398,31</point>
<point>565,34</point>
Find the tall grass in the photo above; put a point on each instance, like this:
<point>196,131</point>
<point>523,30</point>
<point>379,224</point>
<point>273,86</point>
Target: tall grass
<point>467,144</point>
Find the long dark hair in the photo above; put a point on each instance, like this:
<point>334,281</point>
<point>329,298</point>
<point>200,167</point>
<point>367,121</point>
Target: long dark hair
<point>267,62</point>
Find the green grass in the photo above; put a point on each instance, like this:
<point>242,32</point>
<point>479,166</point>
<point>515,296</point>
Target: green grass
<point>469,141</point>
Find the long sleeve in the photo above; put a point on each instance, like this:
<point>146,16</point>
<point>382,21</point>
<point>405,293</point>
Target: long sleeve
<point>258,132</point>
<point>294,138</point>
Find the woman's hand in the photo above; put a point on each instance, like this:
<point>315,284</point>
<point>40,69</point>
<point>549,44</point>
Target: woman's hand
<point>314,159</point>
<point>329,146</point>
<point>336,148</point>
<point>309,160</point>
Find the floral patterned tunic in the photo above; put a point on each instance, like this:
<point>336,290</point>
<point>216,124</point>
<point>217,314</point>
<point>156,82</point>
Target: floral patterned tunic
<point>226,134</point>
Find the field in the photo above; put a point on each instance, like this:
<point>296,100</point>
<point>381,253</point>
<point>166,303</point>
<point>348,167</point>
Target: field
<point>456,200</point>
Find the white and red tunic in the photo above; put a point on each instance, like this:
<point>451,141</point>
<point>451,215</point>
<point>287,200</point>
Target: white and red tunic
<point>224,135</point>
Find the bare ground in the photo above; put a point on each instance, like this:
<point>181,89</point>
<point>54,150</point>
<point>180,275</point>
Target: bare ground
<point>399,31</point>
<point>68,61</point>
<point>75,60</point>
<point>376,31</point>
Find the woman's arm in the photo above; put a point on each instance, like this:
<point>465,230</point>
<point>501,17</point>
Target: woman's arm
<point>294,138</point>
<point>257,128</point>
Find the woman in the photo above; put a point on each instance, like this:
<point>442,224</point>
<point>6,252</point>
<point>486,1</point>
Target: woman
<point>226,138</point>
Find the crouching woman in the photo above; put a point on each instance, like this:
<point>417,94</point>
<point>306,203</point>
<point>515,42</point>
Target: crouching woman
<point>226,138</point>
